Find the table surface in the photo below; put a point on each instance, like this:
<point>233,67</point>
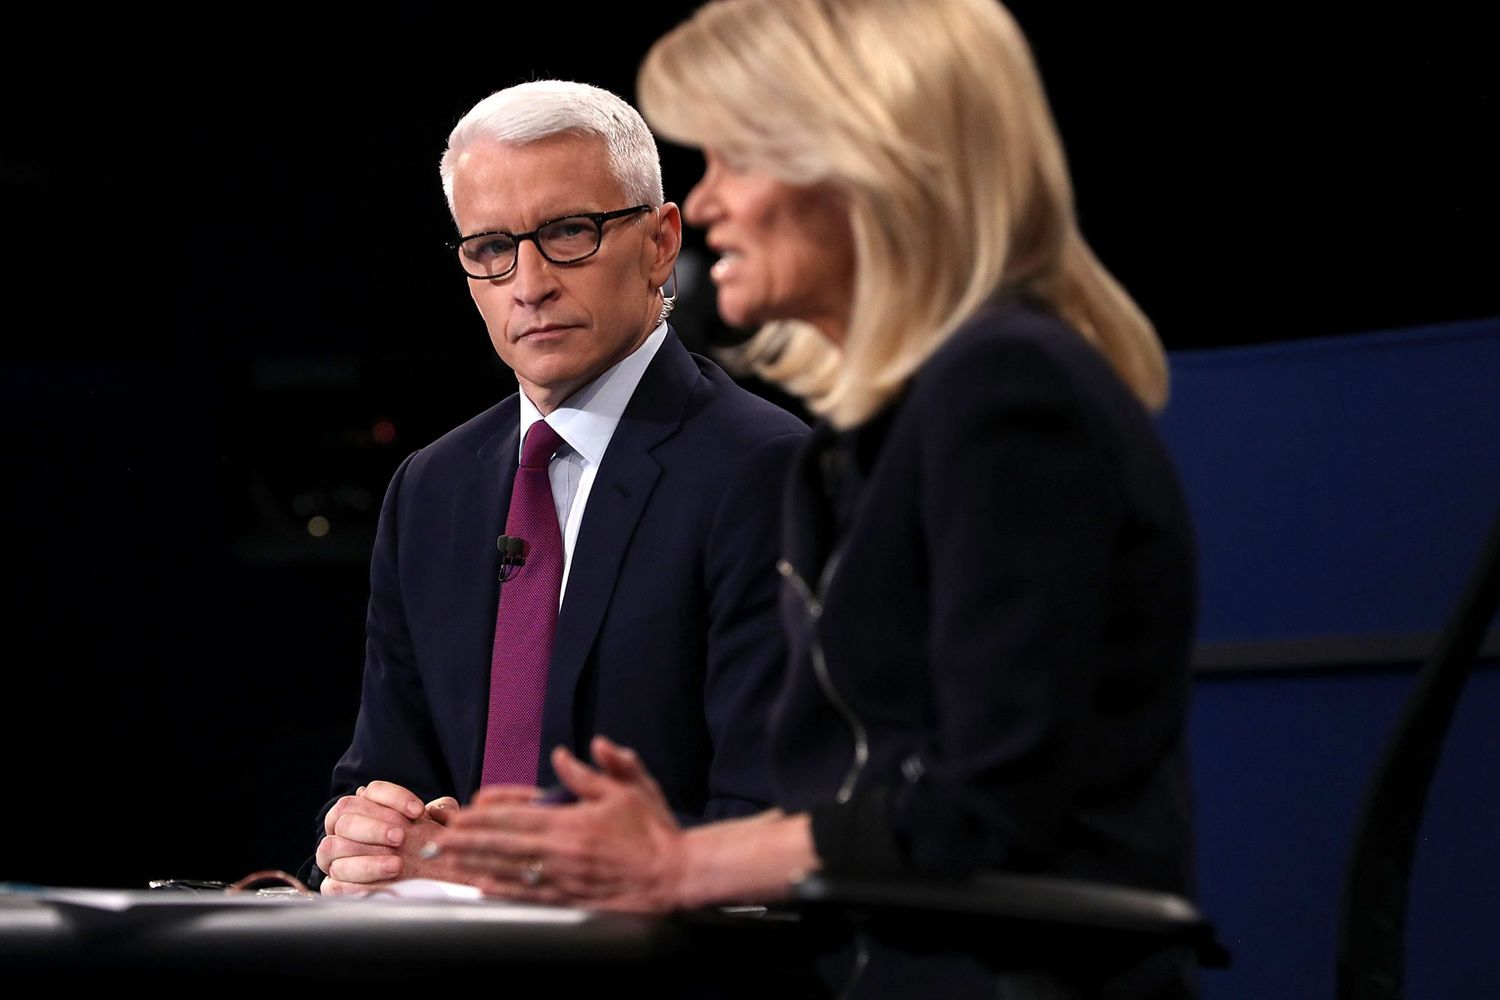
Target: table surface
<point>210,936</point>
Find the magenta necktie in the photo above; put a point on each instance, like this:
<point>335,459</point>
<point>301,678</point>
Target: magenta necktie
<point>526,620</point>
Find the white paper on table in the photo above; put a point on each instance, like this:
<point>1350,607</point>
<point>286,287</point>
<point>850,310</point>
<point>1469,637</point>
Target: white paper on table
<point>428,888</point>
<point>408,890</point>
<point>123,900</point>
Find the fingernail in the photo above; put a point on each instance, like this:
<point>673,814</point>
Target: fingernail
<point>393,867</point>
<point>414,809</point>
<point>395,835</point>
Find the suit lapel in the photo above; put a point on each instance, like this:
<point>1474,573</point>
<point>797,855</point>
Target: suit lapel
<point>480,501</point>
<point>622,487</point>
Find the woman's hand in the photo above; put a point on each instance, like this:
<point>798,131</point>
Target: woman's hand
<point>617,848</point>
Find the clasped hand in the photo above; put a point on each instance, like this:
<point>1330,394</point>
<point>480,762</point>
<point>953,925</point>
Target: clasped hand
<point>376,836</point>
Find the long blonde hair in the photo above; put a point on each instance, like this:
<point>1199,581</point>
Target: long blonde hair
<point>929,117</point>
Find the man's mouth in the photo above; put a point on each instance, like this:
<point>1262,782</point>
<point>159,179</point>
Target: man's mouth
<point>542,329</point>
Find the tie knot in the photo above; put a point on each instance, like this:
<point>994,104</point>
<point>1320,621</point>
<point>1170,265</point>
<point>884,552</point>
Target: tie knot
<point>541,442</point>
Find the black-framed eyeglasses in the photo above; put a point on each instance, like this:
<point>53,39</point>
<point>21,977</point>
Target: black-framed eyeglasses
<point>485,256</point>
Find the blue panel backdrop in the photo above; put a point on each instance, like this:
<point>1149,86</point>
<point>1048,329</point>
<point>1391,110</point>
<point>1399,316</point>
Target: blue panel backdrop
<point>1342,488</point>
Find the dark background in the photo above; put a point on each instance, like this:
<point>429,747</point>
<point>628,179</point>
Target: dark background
<point>231,313</point>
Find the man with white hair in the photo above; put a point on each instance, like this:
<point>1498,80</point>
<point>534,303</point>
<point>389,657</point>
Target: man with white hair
<point>619,510</point>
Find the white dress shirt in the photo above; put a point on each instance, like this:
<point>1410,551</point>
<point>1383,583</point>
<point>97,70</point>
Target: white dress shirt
<point>586,422</point>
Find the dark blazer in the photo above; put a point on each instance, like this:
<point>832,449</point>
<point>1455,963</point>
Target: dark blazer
<point>990,607</point>
<point>667,638</point>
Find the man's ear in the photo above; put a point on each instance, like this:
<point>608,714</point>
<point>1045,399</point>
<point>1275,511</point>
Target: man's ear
<point>668,243</point>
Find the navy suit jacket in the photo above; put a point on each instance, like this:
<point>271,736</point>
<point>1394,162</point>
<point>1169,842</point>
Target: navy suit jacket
<point>990,611</point>
<point>667,638</point>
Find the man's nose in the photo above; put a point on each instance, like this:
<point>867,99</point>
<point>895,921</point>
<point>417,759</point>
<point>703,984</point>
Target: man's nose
<point>535,278</point>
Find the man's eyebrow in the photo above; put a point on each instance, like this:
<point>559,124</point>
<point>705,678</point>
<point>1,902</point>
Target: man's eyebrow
<point>550,217</point>
<point>554,216</point>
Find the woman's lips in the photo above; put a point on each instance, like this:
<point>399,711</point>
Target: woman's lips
<point>725,267</point>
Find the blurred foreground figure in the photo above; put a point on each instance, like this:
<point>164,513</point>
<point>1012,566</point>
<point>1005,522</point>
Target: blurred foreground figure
<point>989,570</point>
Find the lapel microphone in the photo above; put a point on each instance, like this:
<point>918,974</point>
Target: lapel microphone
<point>512,555</point>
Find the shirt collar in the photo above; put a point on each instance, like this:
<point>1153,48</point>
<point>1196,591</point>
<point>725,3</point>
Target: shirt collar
<point>587,420</point>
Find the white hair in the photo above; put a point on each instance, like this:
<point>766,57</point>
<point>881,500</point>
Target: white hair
<point>529,112</point>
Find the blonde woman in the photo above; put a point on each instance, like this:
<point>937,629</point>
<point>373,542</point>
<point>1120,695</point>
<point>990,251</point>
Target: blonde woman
<point>989,576</point>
